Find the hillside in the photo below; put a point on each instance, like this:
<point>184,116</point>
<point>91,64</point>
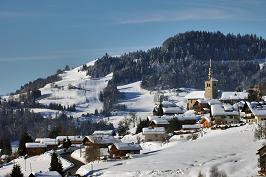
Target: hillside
<point>180,157</point>
<point>182,61</point>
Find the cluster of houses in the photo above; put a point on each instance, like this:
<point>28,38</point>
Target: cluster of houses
<point>213,107</point>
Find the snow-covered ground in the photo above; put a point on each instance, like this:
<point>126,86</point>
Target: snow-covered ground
<point>232,150</point>
<point>32,164</point>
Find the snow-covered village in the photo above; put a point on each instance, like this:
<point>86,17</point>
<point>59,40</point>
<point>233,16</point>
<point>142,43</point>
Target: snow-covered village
<point>133,89</point>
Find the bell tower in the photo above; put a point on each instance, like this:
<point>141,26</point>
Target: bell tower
<point>211,91</point>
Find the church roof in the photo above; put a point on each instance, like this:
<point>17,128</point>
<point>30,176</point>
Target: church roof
<point>195,95</point>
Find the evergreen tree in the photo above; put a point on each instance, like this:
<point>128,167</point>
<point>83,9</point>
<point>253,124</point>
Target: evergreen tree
<point>142,124</point>
<point>16,171</point>
<point>5,145</point>
<point>123,127</point>
<point>25,138</point>
<point>55,164</point>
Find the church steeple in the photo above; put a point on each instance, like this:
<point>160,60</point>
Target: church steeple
<point>211,90</point>
<point>210,70</point>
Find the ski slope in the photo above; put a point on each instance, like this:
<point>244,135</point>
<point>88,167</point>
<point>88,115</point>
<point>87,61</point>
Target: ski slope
<point>232,150</point>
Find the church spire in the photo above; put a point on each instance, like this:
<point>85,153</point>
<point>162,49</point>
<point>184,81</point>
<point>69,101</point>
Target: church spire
<point>210,70</point>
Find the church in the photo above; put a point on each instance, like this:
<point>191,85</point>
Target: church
<point>212,94</point>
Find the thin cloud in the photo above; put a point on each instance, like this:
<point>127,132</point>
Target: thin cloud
<point>209,13</point>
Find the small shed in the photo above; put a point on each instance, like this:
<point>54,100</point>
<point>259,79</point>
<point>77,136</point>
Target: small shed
<point>118,150</point>
<point>35,148</point>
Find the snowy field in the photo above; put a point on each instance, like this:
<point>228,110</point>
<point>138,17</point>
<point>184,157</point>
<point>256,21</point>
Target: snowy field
<point>32,164</point>
<point>232,150</point>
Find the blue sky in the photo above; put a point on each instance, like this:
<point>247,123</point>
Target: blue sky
<point>37,37</point>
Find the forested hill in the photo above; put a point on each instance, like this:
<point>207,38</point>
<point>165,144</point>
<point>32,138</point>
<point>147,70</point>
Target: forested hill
<point>183,60</point>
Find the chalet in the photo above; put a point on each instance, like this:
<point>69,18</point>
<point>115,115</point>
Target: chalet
<point>159,122</point>
<point>38,140</point>
<point>167,108</point>
<point>99,141</point>
<point>104,132</point>
<point>225,114</point>
<point>154,134</point>
<point>201,106</point>
<point>254,112</point>
<point>262,160</point>
<point>73,139</point>
<point>35,148</point>
<point>192,98</point>
<point>233,97</point>
<point>118,150</point>
<point>52,144</point>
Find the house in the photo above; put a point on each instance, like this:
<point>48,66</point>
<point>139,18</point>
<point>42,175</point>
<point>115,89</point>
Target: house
<point>99,141</point>
<point>52,144</point>
<point>262,160</point>
<point>167,108</point>
<point>201,106</point>
<point>154,134</point>
<point>104,132</point>
<point>192,97</point>
<point>254,112</point>
<point>233,97</point>
<point>225,114</point>
<point>35,148</point>
<point>159,122</point>
<point>73,139</point>
<point>38,140</point>
<point>118,150</point>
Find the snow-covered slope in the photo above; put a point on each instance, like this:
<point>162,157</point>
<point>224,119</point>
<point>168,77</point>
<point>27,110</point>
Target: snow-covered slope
<point>75,88</point>
<point>32,164</point>
<point>232,150</point>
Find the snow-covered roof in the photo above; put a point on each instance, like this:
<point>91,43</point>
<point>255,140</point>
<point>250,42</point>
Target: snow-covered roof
<point>224,110</point>
<point>182,117</point>
<point>160,121</point>
<point>103,132</point>
<point>37,140</point>
<point>167,104</point>
<point>172,110</point>
<point>47,174</point>
<point>195,95</point>
<point>49,141</point>
<point>234,96</point>
<point>257,109</point>
<point>102,139</point>
<point>195,126</point>
<point>35,145</point>
<point>214,101</point>
<point>127,146</point>
<point>155,130</point>
<point>202,101</point>
<point>71,138</point>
